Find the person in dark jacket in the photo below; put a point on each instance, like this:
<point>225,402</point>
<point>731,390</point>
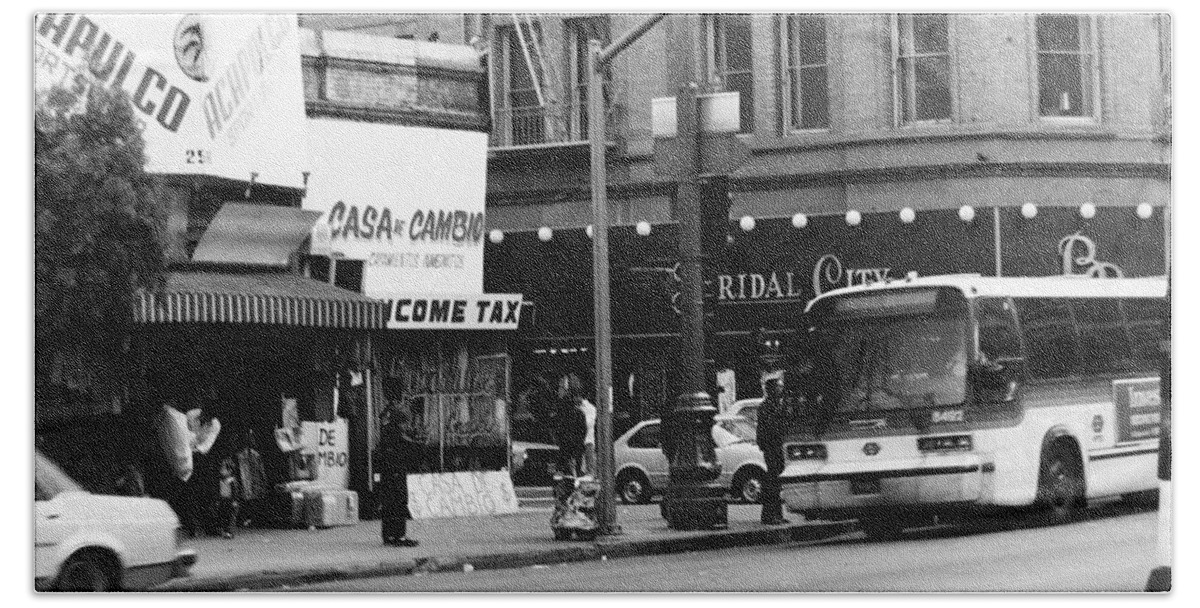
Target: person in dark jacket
<point>770,433</point>
<point>570,429</point>
<point>399,455</point>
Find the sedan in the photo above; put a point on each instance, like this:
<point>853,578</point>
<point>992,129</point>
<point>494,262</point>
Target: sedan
<point>87,542</point>
<point>642,467</point>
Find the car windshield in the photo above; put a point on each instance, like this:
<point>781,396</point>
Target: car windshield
<point>897,362</point>
<point>49,480</point>
<point>733,430</point>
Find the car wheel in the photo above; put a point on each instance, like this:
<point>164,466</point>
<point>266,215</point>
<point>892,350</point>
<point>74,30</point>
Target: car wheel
<point>748,485</point>
<point>633,487</point>
<point>1060,486</point>
<point>86,571</point>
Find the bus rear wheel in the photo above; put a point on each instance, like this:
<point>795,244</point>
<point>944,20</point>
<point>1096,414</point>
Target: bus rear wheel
<point>1060,486</point>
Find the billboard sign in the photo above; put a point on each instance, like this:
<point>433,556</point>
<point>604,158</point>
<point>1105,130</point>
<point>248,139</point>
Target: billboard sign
<point>407,201</point>
<point>1139,409</point>
<point>491,311</point>
<point>218,95</point>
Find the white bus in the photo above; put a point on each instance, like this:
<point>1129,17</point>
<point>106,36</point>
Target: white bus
<point>923,396</point>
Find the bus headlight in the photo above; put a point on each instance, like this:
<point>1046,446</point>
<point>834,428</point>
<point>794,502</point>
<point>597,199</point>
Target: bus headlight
<point>945,443</point>
<point>807,451</point>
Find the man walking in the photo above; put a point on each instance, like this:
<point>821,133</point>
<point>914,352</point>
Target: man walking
<point>770,431</point>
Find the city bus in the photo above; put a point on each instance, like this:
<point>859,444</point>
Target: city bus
<point>935,396</point>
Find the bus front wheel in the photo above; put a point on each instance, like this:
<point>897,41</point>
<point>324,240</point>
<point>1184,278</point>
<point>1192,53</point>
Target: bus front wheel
<point>1060,485</point>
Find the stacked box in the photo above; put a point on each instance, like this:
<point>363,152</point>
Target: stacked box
<point>328,507</point>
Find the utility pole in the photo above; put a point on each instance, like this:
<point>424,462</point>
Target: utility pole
<point>598,59</point>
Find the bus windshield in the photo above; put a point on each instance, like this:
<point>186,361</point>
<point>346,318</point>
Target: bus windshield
<point>895,362</point>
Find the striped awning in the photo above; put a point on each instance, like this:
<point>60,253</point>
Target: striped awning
<point>264,298</point>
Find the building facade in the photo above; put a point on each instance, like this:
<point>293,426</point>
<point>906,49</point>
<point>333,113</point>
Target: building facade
<point>877,145</point>
<point>264,320</point>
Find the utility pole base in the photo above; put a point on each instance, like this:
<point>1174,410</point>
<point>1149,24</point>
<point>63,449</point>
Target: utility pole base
<point>689,507</point>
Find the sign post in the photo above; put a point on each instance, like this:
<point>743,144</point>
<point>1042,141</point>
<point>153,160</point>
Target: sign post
<point>598,59</point>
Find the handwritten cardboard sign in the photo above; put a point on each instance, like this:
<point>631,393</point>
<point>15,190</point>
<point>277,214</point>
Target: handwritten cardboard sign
<point>330,443</point>
<point>461,494</point>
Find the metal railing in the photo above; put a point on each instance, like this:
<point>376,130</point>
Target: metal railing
<point>554,123</point>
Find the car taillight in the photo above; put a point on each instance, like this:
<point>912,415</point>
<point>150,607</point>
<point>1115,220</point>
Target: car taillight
<point>945,443</point>
<point>807,451</point>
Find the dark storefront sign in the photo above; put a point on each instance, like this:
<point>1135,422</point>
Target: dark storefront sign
<point>765,276</point>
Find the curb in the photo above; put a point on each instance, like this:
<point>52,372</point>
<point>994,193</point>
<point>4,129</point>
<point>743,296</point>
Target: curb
<point>604,549</point>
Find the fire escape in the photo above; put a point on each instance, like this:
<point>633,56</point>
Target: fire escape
<point>531,105</point>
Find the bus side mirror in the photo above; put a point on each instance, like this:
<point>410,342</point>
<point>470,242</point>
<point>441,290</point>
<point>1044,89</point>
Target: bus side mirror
<point>998,381</point>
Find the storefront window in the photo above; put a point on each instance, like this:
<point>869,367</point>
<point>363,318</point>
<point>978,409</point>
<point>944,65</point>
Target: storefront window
<point>458,398</point>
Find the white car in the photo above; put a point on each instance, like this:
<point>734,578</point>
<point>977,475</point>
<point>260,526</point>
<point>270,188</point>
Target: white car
<point>642,467</point>
<point>87,542</point>
<point>746,408</point>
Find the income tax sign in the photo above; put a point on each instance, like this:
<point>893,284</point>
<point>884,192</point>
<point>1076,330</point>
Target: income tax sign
<point>215,94</point>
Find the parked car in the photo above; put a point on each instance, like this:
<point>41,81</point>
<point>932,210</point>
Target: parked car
<point>746,408</point>
<point>642,467</point>
<point>88,542</point>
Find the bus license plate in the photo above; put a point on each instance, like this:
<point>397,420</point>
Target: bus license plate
<point>864,486</point>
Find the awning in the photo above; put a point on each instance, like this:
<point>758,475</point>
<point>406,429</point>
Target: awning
<point>263,235</point>
<point>267,298</point>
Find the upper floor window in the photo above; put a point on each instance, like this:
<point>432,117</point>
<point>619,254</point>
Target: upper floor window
<point>922,63</point>
<point>1066,65</point>
<point>807,72</point>
<point>578,33</point>
<point>730,61</point>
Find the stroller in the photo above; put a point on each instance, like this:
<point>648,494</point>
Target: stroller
<point>574,508</point>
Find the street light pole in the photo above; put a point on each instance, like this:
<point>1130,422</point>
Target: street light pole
<point>693,499</point>
<point>598,59</point>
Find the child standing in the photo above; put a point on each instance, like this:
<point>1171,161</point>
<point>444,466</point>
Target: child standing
<point>227,499</point>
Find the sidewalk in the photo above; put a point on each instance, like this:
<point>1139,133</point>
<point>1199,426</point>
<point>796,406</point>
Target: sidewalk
<point>263,559</point>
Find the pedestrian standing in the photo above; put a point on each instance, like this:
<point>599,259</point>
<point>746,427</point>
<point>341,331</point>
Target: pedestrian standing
<point>770,432</point>
<point>589,417</point>
<point>570,429</point>
<point>399,455</point>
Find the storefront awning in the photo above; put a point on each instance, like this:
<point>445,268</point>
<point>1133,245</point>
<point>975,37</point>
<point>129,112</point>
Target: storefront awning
<point>256,235</point>
<point>267,298</point>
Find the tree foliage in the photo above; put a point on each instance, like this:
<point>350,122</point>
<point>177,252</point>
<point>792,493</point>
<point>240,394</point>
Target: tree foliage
<point>98,221</point>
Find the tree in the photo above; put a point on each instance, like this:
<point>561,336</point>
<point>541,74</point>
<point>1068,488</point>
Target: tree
<point>98,225</point>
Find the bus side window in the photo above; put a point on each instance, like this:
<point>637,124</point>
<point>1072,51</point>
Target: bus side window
<point>1051,339</point>
<point>998,334</point>
<point>1103,338</point>
<point>1145,319</point>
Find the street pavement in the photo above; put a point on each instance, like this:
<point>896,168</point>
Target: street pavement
<point>270,558</point>
<point>1112,549</point>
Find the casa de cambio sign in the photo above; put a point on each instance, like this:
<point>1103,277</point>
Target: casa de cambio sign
<point>408,202</point>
